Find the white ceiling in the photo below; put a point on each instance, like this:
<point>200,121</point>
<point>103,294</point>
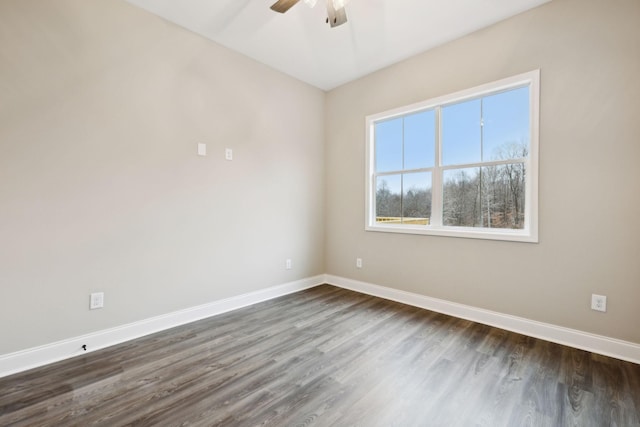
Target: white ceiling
<point>300,43</point>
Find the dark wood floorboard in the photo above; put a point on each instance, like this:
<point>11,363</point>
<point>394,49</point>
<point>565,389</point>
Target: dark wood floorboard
<point>328,357</point>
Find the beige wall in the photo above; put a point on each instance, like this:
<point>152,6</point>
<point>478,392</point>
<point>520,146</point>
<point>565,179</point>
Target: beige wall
<point>589,56</point>
<point>101,108</point>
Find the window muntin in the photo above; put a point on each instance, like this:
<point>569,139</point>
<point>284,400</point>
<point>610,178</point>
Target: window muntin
<point>461,165</point>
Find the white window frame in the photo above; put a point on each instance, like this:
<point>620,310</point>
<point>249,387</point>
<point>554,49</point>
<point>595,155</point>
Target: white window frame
<point>529,233</point>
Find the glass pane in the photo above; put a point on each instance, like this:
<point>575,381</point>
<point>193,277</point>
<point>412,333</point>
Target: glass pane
<point>461,201</point>
<point>416,198</point>
<point>389,199</point>
<point>490,197</point>
<point>506,125</point>
<point>419,140</point>
<point>388,149</point>
<point>503,196</point>
<point>461,133</point>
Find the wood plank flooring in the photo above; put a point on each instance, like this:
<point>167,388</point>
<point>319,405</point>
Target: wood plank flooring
<point>328,357</point>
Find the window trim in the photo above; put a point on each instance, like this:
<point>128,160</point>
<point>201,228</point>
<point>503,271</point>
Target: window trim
<point>530,231</point>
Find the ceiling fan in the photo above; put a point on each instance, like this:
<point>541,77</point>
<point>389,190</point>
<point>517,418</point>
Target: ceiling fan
<point>336,15</point>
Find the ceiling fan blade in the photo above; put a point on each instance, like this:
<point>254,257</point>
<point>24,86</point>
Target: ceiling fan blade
<point>283,5</point>
<point>335,16</point>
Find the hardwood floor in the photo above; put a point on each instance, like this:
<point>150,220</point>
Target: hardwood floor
<point>328,357</point>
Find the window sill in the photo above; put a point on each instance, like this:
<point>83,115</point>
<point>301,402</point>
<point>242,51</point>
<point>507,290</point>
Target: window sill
<point>463,232</point>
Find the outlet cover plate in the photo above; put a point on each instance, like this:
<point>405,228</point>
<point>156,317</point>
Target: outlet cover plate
<point>96,300</point>
<point>599,302</point>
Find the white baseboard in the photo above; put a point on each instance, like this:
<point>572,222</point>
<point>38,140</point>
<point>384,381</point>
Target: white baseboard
<point>606,346</point>
<point>38,356</point>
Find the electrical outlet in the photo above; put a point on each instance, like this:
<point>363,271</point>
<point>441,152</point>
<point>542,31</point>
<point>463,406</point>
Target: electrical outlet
<point>96,300</point>
<point>358,262</point>
<point>598,302</point>
<point>287,264</point>
<point>228,153</point>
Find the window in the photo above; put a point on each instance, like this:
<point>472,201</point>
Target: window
<point>462,165</point>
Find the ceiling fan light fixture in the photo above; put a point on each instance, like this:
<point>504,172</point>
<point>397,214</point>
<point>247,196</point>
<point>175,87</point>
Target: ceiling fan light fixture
<point>336,15</point>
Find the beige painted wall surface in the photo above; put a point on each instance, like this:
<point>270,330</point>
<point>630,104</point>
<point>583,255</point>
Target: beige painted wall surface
<point>101,109</point>
<point>589,56</point>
